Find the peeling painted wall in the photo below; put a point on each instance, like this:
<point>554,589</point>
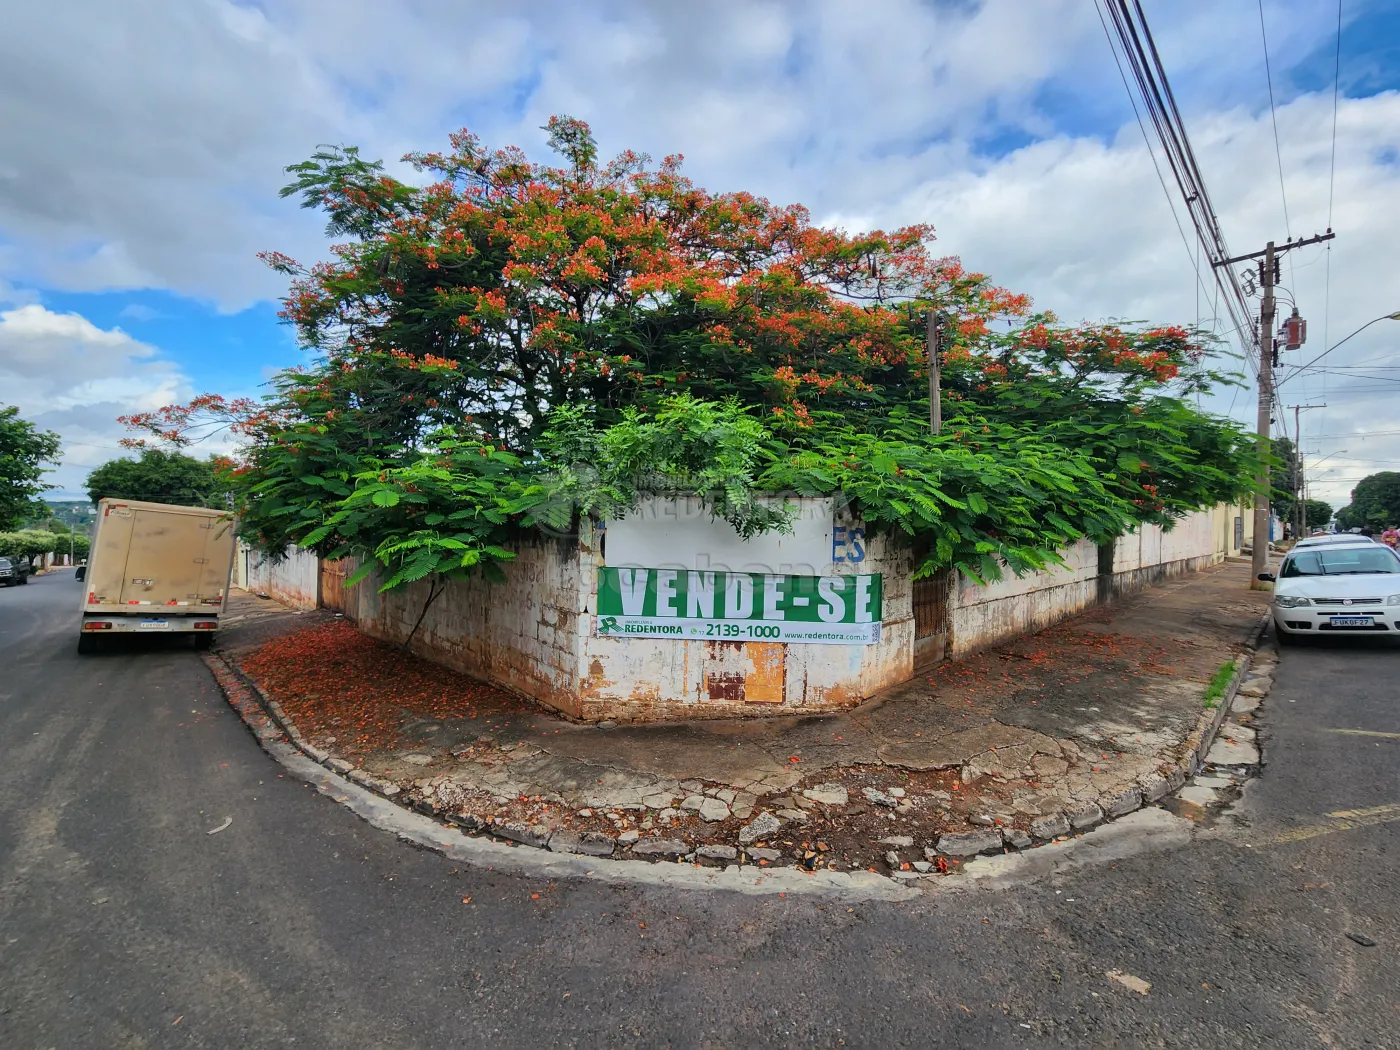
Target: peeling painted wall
<point>292,580</point>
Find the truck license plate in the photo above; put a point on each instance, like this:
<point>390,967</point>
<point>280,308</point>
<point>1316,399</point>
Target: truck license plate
<point>154,625</point>
<point>1353,621</point>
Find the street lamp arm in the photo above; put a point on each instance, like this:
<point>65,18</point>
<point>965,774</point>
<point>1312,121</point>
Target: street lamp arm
<point>1384,317</point>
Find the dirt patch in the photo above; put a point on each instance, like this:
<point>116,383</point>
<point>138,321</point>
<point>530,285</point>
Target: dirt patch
<point>355,695</point>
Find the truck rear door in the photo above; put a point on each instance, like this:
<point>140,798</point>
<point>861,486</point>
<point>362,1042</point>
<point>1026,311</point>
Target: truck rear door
<point>107,561</point>
<point>168,560</point>
<point>218,559</point>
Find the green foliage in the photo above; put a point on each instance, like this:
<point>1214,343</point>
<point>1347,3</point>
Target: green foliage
<point>30,544</point>
<point>1375,502</point>
<point>1002,495</point>
<point>687,447</point>
<point>1316,513</point>
<point>160,477</point>
<point>516,344</point>
<point>23,452</point>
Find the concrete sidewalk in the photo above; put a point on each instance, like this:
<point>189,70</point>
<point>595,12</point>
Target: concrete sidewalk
<point>1041,736</point>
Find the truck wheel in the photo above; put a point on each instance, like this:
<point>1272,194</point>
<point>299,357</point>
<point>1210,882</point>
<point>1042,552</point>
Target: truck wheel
<point>24,579</point>
<point>87,644</point>
<point>203,641</point>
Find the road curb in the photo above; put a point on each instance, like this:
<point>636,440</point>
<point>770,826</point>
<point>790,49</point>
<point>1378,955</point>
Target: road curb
<point>1195,758</point>
<point>278,735</point>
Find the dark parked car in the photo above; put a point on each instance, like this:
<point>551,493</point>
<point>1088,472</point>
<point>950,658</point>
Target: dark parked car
<point>13,571</point>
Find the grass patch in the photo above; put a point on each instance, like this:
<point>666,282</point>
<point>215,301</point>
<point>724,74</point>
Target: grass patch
<point>1216,690</point>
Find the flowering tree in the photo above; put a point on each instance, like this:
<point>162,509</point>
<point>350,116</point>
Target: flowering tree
<point>512,341</point>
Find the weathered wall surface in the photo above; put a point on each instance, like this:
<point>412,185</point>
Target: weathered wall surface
<point>535,632</point>
<point>656,678</point>
<point>1014,605</point>
<point>984,616</point>
<point>522,633</point>
<point>292,580</point>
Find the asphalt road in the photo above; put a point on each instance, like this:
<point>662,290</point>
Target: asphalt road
<point>123,923</point>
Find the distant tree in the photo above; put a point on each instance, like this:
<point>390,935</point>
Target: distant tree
<point>1318,513</point>
<point>30,544</point>
<point>23,451</point>
<point>159,477</point>
<point>1375,502</point>
<point>1285,477</point>
<point>45,521</point>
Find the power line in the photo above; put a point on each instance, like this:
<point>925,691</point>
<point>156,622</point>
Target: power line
<point>1336,88</point>
<point>1331,187</point>
<point>1361,436</point>
<point>1360,375</point>
<point>1137,44</point>
<point>1196,262</point>
<point>1273,115</point>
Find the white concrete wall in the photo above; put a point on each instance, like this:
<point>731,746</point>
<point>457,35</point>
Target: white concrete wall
<point>985,615</point>
<point>535,632</point>
<point>293,580</point>
<point>523,633</point>
<point>681,534</point>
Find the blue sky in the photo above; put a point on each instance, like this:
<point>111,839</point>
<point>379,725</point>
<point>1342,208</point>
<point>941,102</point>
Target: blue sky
<point>147,149</point>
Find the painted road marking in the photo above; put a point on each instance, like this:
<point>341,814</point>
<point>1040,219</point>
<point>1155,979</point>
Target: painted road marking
<point>1365,732</point>
<point>1342,820</point>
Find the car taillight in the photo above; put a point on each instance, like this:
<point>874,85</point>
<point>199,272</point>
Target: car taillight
<point>205,625</point>
<point>93,625</point>
<point>92,597</point>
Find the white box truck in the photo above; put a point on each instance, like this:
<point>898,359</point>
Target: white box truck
<point>156,569</point>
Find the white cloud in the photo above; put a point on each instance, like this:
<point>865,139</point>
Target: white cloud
<point>68,375</point>
<point>1085,228</point>
<point>145,142</point>
<point>139,312</point>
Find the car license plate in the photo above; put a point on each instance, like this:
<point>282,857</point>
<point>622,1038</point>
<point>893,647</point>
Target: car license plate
<point>154,625</point>
<point>1353,621</point>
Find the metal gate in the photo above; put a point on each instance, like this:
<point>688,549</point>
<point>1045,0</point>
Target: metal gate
<point>333,573</point>
<point>932,624</point>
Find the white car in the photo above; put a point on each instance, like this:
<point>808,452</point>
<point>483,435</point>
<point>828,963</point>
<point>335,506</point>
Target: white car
<point>1336,588</point>
<point>1331,538</point>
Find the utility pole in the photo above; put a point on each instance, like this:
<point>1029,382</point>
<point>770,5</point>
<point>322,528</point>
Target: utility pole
<point>935,393</point>
<point>1262,509</point>
<point>1267,278</point>
<point>1300,496</point>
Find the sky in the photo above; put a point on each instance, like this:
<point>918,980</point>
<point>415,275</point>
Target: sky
<point>145,143</point>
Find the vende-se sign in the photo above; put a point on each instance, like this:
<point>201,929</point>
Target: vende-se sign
<point>739,606</point>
